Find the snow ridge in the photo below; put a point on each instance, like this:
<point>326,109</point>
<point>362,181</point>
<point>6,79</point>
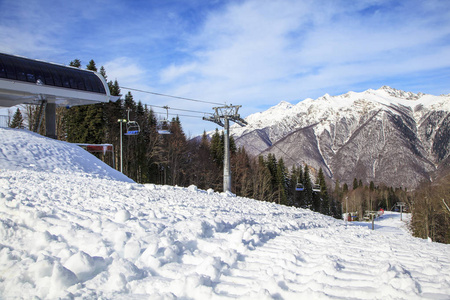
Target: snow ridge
<point>349,105</point>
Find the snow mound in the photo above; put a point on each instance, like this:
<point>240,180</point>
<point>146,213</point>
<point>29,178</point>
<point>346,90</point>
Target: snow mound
<point>25,150</point>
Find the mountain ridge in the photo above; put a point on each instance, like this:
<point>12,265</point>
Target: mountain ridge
<point>356,133</point>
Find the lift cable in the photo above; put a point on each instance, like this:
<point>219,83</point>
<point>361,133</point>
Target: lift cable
<point>180,109</point>
<point>170,96</point>
<point>181,115</point>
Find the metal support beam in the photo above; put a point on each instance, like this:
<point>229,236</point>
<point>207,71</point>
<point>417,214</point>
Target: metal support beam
<point>226,160</point>
<point>222,117</point>
<point>121,147</point>
<point>50,120</point>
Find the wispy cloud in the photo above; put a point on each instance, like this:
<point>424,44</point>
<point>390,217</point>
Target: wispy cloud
<point>260,49</point>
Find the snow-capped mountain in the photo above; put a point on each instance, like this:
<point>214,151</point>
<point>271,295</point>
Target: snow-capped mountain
<point>387,136</point>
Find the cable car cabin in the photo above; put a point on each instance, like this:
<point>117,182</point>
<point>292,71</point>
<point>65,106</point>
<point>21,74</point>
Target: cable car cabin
<point>316,188</point>
<point>132,128</point>
<point>299,187</point>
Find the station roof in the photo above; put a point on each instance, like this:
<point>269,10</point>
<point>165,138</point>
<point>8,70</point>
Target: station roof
<point>26,81</point>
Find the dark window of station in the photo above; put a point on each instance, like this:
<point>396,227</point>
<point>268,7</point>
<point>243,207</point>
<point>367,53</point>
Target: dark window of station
<point>101,87</point>
<point>88,84</point>
<point>2,69</point>
<point>21,70</point>
<point>65,79</point>
<point>95,86</point>
<point>9,67</point>
<point>48,78</point>
<point>39,74</point>
<point>80,82</point>
<point>56,76</point>
<point>72,82</point>
<point>29,71</point>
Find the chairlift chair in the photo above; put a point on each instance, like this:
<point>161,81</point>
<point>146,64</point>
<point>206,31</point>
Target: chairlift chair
<point>316,188</point>
<point>299,187</point>
<point>132,126</point>
<point>164,124</point>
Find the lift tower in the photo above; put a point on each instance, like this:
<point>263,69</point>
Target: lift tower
<point>226,113</point>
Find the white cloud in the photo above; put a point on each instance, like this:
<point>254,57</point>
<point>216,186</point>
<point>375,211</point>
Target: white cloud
<point>261,52</point>
<point>128,72</point>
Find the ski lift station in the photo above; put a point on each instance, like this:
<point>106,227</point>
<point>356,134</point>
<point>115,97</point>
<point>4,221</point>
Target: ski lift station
<point>28,81</point>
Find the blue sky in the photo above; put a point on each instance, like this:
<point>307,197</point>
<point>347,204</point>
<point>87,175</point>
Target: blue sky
<point>252,53</point>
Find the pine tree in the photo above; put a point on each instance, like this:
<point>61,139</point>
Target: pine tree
<point>17,120</point>
<point>308,193</point>
<point>114,88</point>
<point>177,153</point>
<point>355,184</point>
<point>103,73</point>
<point>129,101</point>
<point>281,185</point>
<point>324,199</point>
<point>91,66</point>
<point>203,171</point>
<point>345,188</point>
<point>241,170</point>
<point>75,63</point>
<point>262,186</point>
<point>291,192</point>
<point>272,166</point>
<point>217,147</point>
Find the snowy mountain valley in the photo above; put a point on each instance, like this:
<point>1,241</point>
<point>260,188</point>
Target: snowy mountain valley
<point>73,228</point>
<point>387,136</point>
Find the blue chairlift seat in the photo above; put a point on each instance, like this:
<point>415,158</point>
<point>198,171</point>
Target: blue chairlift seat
<point>299,187</point>
<point>132,128</point>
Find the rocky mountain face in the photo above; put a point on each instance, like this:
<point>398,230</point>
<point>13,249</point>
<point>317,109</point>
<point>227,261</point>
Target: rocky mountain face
<point>387,136</point>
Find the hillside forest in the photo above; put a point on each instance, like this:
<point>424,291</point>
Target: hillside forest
<point>173,159</point>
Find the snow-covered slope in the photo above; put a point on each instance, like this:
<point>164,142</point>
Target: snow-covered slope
<point>374,135</point>
<point>74,235</point>
<point>24,150</point>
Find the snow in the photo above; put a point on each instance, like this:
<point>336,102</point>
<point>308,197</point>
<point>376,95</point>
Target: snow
<point>71,227</point>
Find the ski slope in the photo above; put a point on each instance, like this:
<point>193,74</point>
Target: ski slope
<point>71,227</point>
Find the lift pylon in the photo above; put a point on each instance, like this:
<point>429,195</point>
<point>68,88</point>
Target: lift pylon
<point>226,113</point>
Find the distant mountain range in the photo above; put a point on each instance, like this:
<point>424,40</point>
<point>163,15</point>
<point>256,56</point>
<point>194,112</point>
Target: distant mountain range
<point>387,136</point>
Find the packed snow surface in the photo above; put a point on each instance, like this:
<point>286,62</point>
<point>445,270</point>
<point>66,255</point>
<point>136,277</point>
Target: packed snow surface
<point>72,231</point>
